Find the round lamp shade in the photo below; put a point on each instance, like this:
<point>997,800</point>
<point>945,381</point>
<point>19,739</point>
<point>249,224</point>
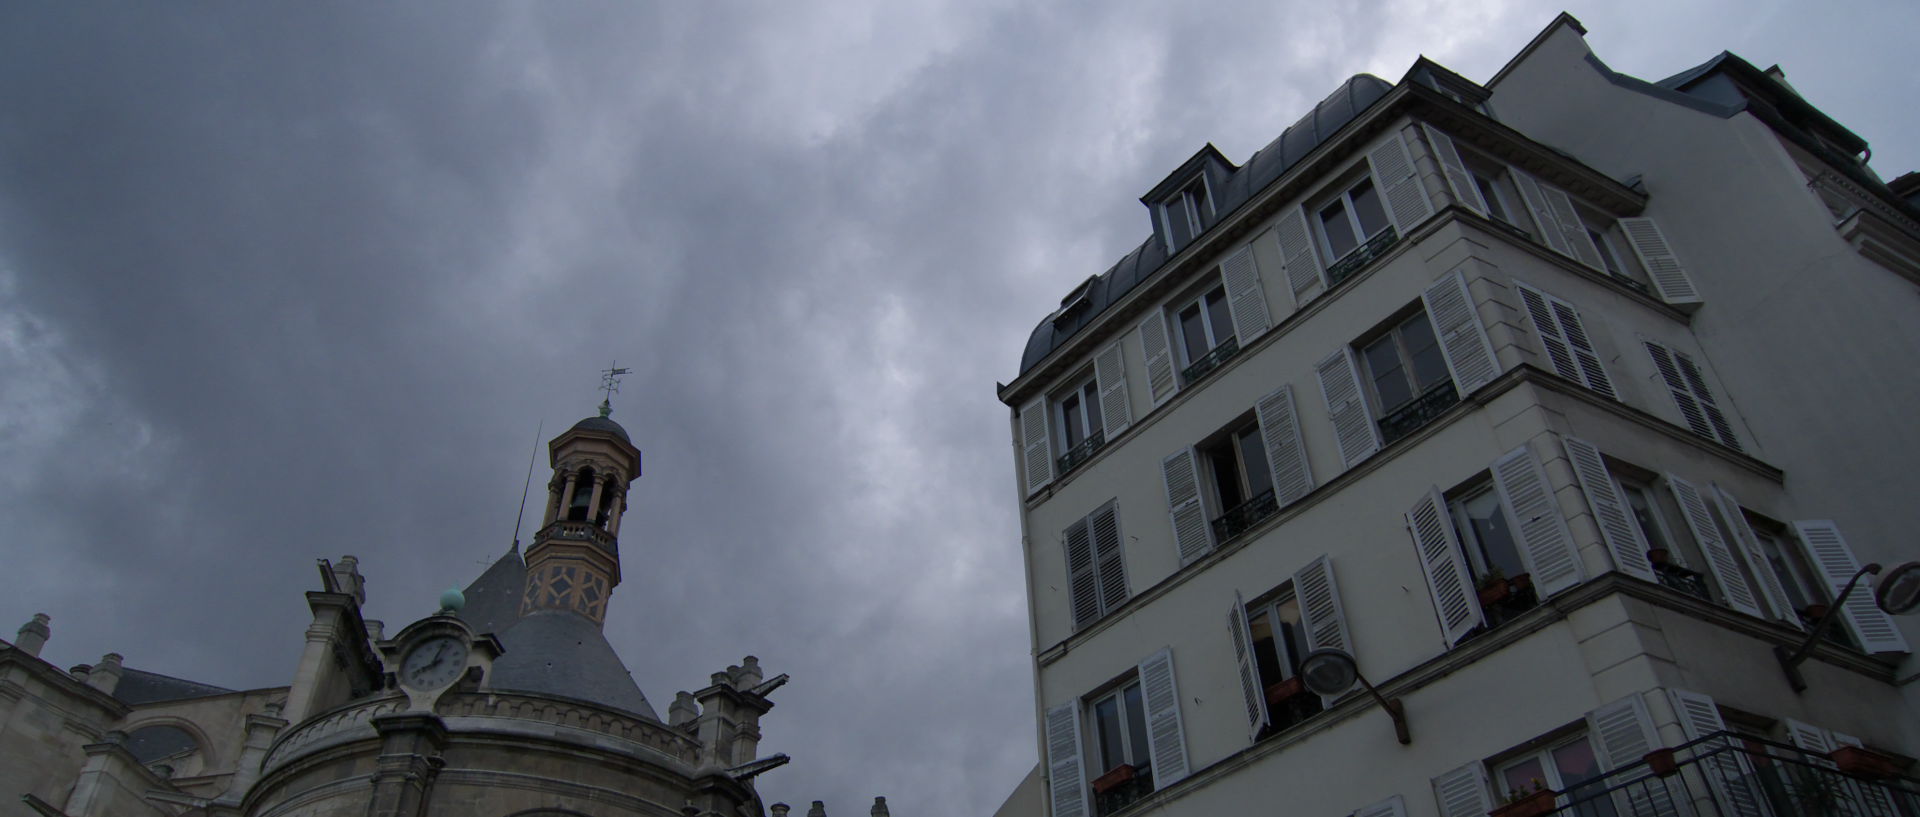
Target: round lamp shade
<point>452,600</point>
<point>1899,591</point>
<point>1328,672</point>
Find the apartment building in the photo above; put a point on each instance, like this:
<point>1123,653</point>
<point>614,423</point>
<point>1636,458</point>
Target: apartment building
<point>1559,403</point>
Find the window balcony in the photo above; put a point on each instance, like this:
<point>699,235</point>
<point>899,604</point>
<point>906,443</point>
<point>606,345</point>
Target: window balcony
<point>1732,775</point>
<point>1682,579</point>
<point>1082,452</point>
<point>1242,517</point>
<point>1120,788</point>
<point>1221,353</point>
<point>1418,412</point>
<point>1361,256</point>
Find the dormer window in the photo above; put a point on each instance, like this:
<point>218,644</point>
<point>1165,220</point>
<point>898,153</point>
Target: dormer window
<point>1186,213</point>
<point>1075,300</point>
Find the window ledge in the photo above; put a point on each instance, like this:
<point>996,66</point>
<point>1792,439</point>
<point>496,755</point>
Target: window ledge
<point>1626,287</point>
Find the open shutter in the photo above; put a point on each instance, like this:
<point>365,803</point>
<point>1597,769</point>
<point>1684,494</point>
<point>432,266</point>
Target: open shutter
<point>1696,381</point>
<point>1458,179</point>
<point>1390,807</point>
<point>1871,626</point>
<point>1572,229</point>
<point>1541,532</point>
<point>1108,564</point>
<point>1869,798</point>
<point>1166,742</point>
<point>1036,444</point>
<point>1246,299</point>
<point>1158,355</point>
<point>1549,227</point>
<point>1320,612</point>
<point>1808,737</point>
<point>1191,533</point>
<point>1066,782</point>
<point>1611,513</point>
<point>1622,734</point>
<point>1720,558</point>
<point>1286,453</point>
<point>1116,408</point>
<point>1296,254</point>
<point>1250,689</point>
<point>1771,591</point>
<point>1677,387</point>
<point>1399,185</point>
<point>1729,774</point>
<point>1439,549</point>
<point>1670,281</point>
<point>1462,337</point>
<point>1463,792</point>
<point>1083,583</point>
<point>1352,423</point>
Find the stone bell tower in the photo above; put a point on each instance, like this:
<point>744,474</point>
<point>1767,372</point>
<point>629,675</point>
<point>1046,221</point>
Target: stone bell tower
<point>574,561</point>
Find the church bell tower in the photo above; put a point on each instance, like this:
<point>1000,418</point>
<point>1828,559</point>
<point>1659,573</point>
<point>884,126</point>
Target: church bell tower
<point>574,561</point>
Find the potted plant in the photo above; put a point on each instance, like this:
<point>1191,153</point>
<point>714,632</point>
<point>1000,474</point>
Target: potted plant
<point>1661,762</point>
<point>1521,582</point>
<point>1113,778</point>
<point>1860,761</point>
<point>1493,587</point>
<point>1531,800</point>
<point>1281,692</point>
<point>1660,556</point>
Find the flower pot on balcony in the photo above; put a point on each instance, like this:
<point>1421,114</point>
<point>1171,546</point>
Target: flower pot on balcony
<point>1521,582</point>
<point>1532,805</point>
<point>1660,556</point>
<point>1494,592</point>
<point>1661,762</point>
<point>1862,762</point>
<point>1112,779</point>
<point>1280,693</point>
<point>1815,612</point>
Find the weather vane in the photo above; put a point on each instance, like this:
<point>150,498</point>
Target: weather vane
<point>610,383</point>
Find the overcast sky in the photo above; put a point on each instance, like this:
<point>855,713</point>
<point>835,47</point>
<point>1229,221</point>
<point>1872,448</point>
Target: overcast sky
<point>281,282</point>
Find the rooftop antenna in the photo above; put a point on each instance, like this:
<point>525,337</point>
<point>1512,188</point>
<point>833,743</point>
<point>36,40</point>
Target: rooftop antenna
<point>610,383</point>
<point>538,430</point>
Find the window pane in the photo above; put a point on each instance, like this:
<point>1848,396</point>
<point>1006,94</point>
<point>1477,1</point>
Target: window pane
<point>1366,205</point>
<point>1136,725</point>
<point>1197,198</point>
<point>1178,222</point>
<point>1606,251</point>
<point>1383,363</point>
<point>1333,221</point>
<point>1292,637</point>
<point>1576,765</point>
<point>1194,333</point>
<point>1253,459</point>
<point>1092,401</point>
<point>1106,723</point>
<point>1523,776</point>
<point>1226,474</point>
<point>1429,367</point>
<point>1777,559</point>
<point>1266,653</point>
<point>1492,197</point>
<point>1491,534</point>
<point>1070,420</point>
<point>1218,317</point>
<point>1642,506</point>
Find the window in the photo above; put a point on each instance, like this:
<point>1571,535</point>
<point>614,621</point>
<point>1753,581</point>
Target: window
<point>1615,256</point>
<point>1562,767</point>
<point>1795,577</point>
<point>1688,387</point>
<point>1078,421</point>
<point>1133,740</point>
<point>1205,325</point>
<point>1493,556</point>
<point>1096,567</point>
<point>1279,639</point>
<point>1186,214</point>
<point>1497,190</point>
<point>1351,218</point>
<point>1408,376</point>
<point>1242,480</point>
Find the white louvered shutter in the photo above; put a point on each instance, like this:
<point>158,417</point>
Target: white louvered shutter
<point>1083,583</point>
<point>1871,626</point>
<point>1108,563</point>
<point>1720,558</point>
<point>1745,543</point>
<point>1572,229</point>
<point>1564,336</point>
<point>1453,594</point>
<point>1695,380</point>
<point>1540,314</point>
<point>1116,407</point>
<point>1611,514</point>
<point>1304,276</point>
<point>1250,689</point>
<point>1548,231</point>
<point>1166,741</point>
<point>1541,532</point>
<point>1192,536</point>
<point>1246,298</point>
<point>1390,807</point>
<point>1157,354</point>
<point>1458,179</point>
<point>1808,737</point>
<point>1678,389</point>
<point>1622,734</point>
<point>1463,792</point>
<point>1036,444</point>
<point>1670,281</point>
<point>1066,782</point>
<point>1592,373</point>
<point>1320,612</point>
<point>1286,452</point>
<point>1399,184</point>
<point>1352,422</point>
<point>1869,798</point>
<point>1730,774</point>
<point>1463,339</point>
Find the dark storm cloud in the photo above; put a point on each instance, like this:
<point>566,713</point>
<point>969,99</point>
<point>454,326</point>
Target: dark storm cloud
<point>283,282</point>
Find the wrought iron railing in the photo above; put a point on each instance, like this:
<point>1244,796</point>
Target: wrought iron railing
<point>1124,794</point>
<point>1084,451</point>
<point>575,531</point>
<point>1420,411</point>
<point>1361,256</point>
<point>1245,515</point>
<point>1221,353</point>
<point>1732,775</point>
<point>1682,579</point>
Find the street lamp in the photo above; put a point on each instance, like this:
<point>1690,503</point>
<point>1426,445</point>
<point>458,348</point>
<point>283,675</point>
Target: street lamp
<point>1899,594</point>
<point>1329,672</point>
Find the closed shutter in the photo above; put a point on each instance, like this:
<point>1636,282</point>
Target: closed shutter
<point>1462,337</point>
<point>1286,452</point>
<point>1158,355</point>
<point>1246,299</point>
<point>1108,563</point>
<point>1399,185</point>
<point>1541,532</point>
<point>1066,782</point>
<point>1166,741</point>
<point>1453,596</point>
<point>1696,381</point>
<point>1548,227</point>
<point>1250,689</point>
<point>1670,281</point>
<point>1677,387</point>
<point>1559,352</point>
<point>1458,178</point>
<point>1116,407</point>
<point>1320,612</point>
<point>1564,336</point>
<point>1296,253</point>
<point>1748,545</point>
<point>1083,583</point>
<point>1592,373</point>
<point>1720,559</point>
<point>1036,444</point>
<point>1352,423</point>
<point>1192,536</point>
<point>1729,774</point>
<point>1572,229</point>
<point>1611,514</point>
<point>1390,807</point>
<point>1622,734</point>
<point>1463,792</point>
<point>1871,626</point>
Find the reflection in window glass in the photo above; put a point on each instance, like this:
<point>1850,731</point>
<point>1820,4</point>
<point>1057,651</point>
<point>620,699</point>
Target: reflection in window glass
<point>1492,543</point>
<point>1340,238</point>
<point>1366,205</point>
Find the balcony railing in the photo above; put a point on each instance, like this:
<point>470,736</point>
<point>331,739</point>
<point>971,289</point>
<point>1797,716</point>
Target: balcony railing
<point>1124,793</point>
<point>1682,579</point>
<point>1084,451</point>
<point>1420,411</point>
<point>1244,515</point>
<point>575,531</point>
<point>1360,256</point>
<point>1210,361</point>
<point>1732,775</point>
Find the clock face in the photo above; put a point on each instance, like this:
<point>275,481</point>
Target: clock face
<point>434,663</point>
